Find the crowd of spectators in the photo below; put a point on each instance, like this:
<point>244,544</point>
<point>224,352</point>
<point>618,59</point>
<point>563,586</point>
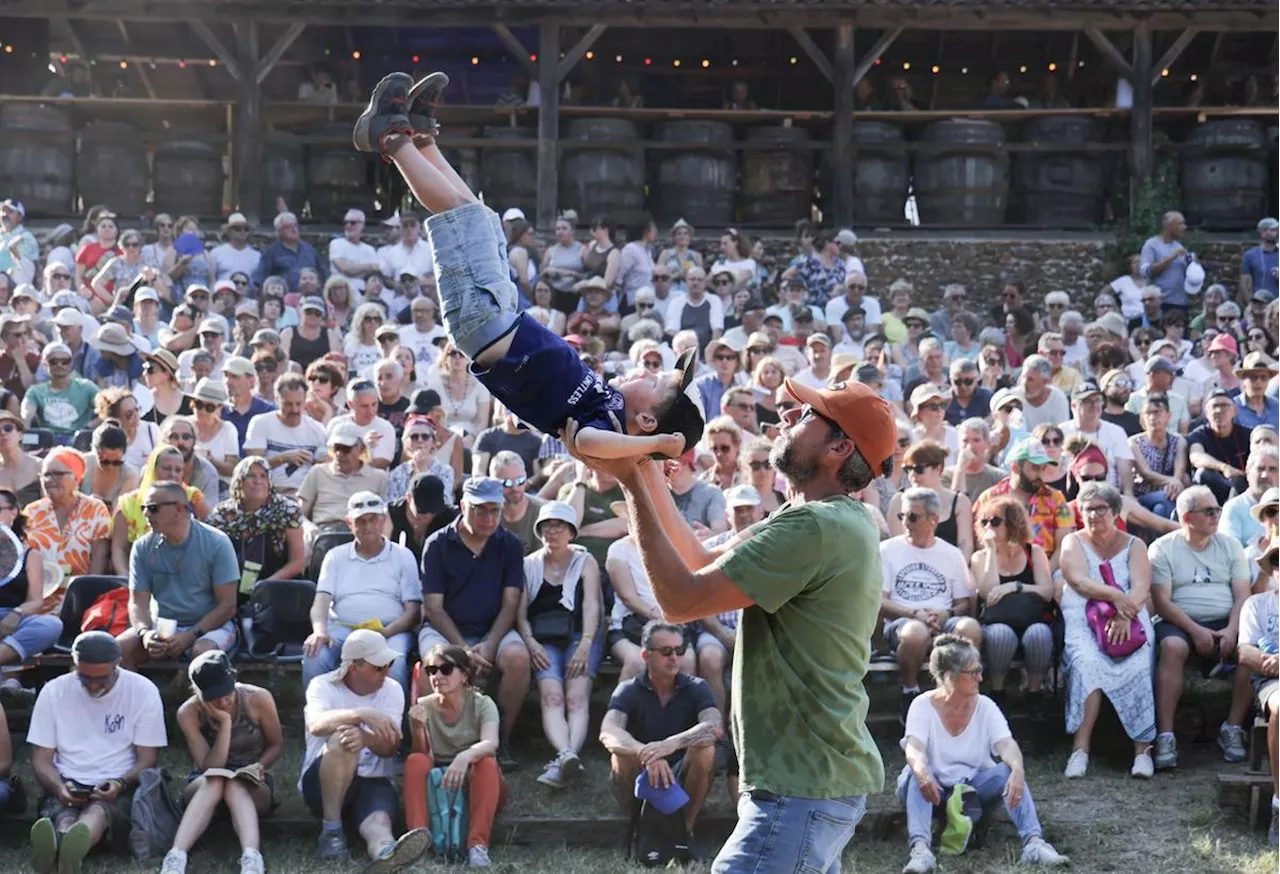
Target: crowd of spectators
<point>1084,482</point>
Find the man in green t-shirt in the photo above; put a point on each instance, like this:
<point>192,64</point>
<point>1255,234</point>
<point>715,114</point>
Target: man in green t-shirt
<point>64,404</point>
<point>808,583</point>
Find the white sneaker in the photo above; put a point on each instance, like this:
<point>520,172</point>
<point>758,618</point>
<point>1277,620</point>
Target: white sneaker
<point>1143,768</point>
<point>552,775</point>
<point>1038,851</point>
<point>478,857</point>
<point>570,765</point>
<point>922,860</point>
<point>251,863</point>
<point>1077,765</point>
<point>175,862</point>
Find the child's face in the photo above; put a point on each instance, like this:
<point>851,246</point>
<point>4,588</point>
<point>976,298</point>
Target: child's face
<point>643,391</point>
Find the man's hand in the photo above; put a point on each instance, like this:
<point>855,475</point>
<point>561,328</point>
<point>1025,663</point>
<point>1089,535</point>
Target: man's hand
<point>316,641</point>
<point>9,625</point>
<point>1270,665</point>
<point>381,726</point>
<point>660,775</point>
<point>1227,642</point>
<point>350,738</point>
<point>66,797</point>
<point>481,661</point>
<point>156,646</point>
<point>107,791</point>
<point>1204,640</point>
<point>651,752</point>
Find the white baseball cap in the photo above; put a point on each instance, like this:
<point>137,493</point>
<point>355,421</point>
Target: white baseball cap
<point>365,502</point>
<point>354,215</point>
<point>512,213</point>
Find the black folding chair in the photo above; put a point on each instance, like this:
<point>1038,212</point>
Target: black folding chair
<point>80,595</point>
<point>277,620</point>
<point>320,548</point>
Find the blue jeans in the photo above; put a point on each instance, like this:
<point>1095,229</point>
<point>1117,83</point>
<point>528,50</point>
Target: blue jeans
<point>559,657</point>
<point>35,634</point>
<point>781,834</point>
<point>1158,502</point>
<point>329,658</point>
<point>988,783</point>
<point>480,303</point>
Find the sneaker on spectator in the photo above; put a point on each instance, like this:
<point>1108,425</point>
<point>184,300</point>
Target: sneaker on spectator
<point>1038,851</point>
<point>570,765</point>
<point>175,862</point>
<point>506,761</point>
<point>907,698</point>
<point>14,693</point>
<point>74,846</point>
<point>922,860</point>
<point>1143,768</point>
<point>553,774</point>
<point>44,846</point>
<point>1166,756</point>
<point>478,857</point>
<point>1077,765</point>
<point>1231,742</point>
<point>402,854</point>
<point>251,863</point>
<point>333,844</point>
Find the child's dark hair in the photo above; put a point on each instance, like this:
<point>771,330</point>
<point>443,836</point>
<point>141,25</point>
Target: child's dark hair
<point>453,654</point>
<point>679,415</point>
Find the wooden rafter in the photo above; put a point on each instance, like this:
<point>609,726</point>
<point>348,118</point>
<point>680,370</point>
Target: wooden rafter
<point>515,47</point>
<point>882,45</point>
<point>1109,51</point>
<point>139,66</point>
<point>1172,54</point>
<point>817,55</point>
<point>268,61</point>
<point>574,55</point>
<point>215,45</point>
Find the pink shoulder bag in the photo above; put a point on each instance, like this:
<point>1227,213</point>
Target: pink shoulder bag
<point>1099,613</point>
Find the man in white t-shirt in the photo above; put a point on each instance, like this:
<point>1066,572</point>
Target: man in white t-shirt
<point>420,337</point>
<point>855,296</point>
<point>290,441</point>
<point>92,732</point>
<point>1086,405</point>
<point>377,433</point>
<point>235,255</point>
<point>926,590</point>
<point>794,291</point>
<point>1259,651</point>
<point>411,254</point>
<point>817,351</point>
<point>353,717</point>
<point>1043,401</point>
<point>349,255</point>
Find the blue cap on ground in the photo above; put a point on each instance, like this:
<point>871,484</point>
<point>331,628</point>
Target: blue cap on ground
<point>668,800</point>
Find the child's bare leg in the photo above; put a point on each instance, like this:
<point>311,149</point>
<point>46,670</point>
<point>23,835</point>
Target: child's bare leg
<point>434,190</point>
<point>428,149</point>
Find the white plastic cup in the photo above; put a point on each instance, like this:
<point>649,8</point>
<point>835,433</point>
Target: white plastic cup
<point>167,628</point>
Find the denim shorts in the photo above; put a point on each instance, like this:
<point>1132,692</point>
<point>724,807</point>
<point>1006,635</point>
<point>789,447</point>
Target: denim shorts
<point>480,303</point>
<point>559,657</point>
<point>777,833</point>
<point>34,634</point>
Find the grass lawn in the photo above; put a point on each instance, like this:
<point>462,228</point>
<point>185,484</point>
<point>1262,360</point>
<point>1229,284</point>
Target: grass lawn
<point>1106,822</point>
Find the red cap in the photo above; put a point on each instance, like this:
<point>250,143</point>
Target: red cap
<point>1224,341</point>
<point>866,418</point>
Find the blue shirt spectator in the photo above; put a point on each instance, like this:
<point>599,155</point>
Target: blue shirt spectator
<point>1247,417</point>
<point>1262,266</point>
<point>1172,278</point>
<point>288,254</point>
<point>472,585</point>
<point>181,578</point>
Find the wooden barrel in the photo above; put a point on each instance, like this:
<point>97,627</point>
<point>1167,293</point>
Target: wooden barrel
<point>1224,174</point>
<point>37,158</point>
<point>509,177</point>
<point>607,178</point>
<point>1059,189</point>
<point>697,184</point>
<point>284,174</point>
<point>965,183</point>
<point>338,177</point>
<point>112,168</point>
<point>466,162</point>
<point>776,188</point>
<point>187,177</point>
<point>881,173</point>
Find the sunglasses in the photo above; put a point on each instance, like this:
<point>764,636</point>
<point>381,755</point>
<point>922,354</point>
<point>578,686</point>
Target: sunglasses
<point>155,506</point>
<point>992,362</point>
<point>445,669</point>
<point>722,449</point>
<point>1095,478</point>
<point>318,377</point>
<point>206,406</point>
<point>933,407</point>
<point>105,462</point>
<point>1056,353</point>
<point>660,277</point>
<point>146,368</point>
<point>760,465</point>
<point>8,428</point>
<point>512,483</point>
<point>653,365</point>
<point>723,282</point>
<point>994,522</point>
<point>644,306</point>
<point>670,651</point>
<point>133,244</point>
<point>965,383</point>
<point>916,468</point>
<point>1210,512</point>
<point>910,517</point>
<point>1052,441</point>
<point>720,357</point>
<point>265,368</point>
<point>904,442</point>
<point>66,276</point>
<point>419,438</point>
<point>240,282</point>
<point>454,353</point>
<point>342,450</point>
<point>1271,512</point>
<point>809,412</point>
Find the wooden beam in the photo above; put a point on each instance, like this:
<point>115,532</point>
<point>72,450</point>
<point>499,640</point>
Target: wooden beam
<point>277,50</point>
<point>140,66</point>
<point>548,126</point>
<point>1109,51</point>
<point>1140,150</point>
<point>842,151</point>
<point>78,40</point>
<point>246,140</point>
<point>1171,55</point>
<point>574,55</point>
<point>882,45</point>
<point>815,54</point>
<point>517,49</point>
<point>215,45</point>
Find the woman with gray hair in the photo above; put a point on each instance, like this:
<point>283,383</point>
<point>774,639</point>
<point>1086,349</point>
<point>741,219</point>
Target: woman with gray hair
<point>952,732</point>
<point>1102,563</point>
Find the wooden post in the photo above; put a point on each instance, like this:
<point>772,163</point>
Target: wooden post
<point>842,152</point>
<point>247,148</point>
<point>548,125</point>
<point>1140,151</point>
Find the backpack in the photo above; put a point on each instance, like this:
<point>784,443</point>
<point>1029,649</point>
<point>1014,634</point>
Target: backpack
<point>655,838</point>
<point>155,815</point>
<point>448,818</point>
<point>109,613</point>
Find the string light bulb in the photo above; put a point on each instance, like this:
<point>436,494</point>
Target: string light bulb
<point>676,62</point>
<point>1194,77</point>
<point>415,59</point>
<point>475,62</point>
<point>1022,69</point>
<point>1053,68</point>
<point>906,65</point>
<point>591,56</point>
<point>534,57</point>
<point>964,71</point>
<point>124,65</point>
<point>794,60</point>
<point>648,62</point>
<point>877,62</point>
<point>62,59</point>
<point>705,63</point>
<point>1165,72</point>
<point>617,59</point>
<point>734,62</point>
<point>355,56</point>
<point>8,50</point>
<point>182,64</point>
<point>935,69</point>
<point>213,62</point>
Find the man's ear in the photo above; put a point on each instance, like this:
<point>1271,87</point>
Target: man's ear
<point>647,422</point>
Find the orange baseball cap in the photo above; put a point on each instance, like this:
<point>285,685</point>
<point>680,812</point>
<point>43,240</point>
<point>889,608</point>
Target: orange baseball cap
<point>864,416</point>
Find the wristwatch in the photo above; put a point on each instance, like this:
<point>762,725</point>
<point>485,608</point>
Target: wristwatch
<point>18,611</point>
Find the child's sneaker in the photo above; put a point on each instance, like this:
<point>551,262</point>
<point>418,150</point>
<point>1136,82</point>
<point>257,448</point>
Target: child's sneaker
<point>421,104</point>
<point>385,114</point>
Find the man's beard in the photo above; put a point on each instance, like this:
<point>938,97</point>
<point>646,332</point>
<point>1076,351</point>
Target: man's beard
<point>1117,399</point>
<point>1026,485</point>
<point>786,461</point>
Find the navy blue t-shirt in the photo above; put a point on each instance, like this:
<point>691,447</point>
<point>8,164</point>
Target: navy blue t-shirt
<point>472,585</point>
<point>543,381</point>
